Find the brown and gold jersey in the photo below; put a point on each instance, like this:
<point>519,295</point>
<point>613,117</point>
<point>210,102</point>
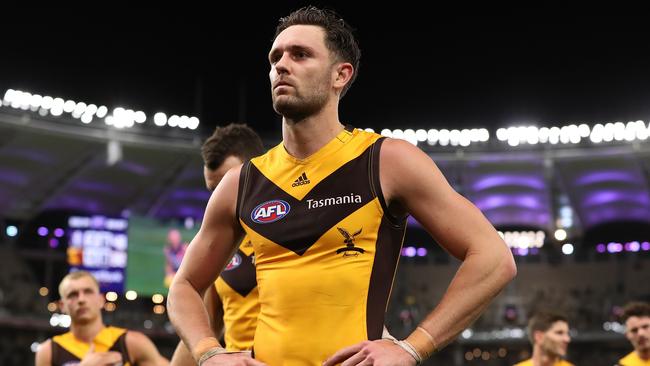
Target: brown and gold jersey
<point>633,359</point>
<point>237,289</point>
<point>68,350</point>
<point>326,248</point>
<point>529,362</point>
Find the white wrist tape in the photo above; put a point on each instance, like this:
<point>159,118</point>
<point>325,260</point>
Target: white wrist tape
<point>410,350</point>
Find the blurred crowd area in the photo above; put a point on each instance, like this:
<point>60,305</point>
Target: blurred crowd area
<point>590,293</point>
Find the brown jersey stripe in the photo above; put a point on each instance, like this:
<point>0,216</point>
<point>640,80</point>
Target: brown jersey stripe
<point>389,245</point>
<point>243,184</point>
<point>242,278</point>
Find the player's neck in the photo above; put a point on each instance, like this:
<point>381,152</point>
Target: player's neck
<point>644,354</point>
<point>303,138</point>
<point>87,332</point>
<point>544,359</point>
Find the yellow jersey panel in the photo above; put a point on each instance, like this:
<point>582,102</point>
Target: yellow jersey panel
<point>633,359</point>
<point>237,290</point>
<point>298,176</point>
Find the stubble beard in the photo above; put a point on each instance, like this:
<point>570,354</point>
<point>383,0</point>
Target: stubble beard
<point>552,348</point>
<point>298,107</point>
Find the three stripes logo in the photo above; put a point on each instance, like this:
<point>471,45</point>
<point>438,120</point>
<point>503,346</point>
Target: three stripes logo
<point>302,179</point>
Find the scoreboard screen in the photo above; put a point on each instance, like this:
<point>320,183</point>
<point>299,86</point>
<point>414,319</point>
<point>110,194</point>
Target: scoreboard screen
<point>99,244</point>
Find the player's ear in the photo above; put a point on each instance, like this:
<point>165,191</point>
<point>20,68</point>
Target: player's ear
<point>343,72</point>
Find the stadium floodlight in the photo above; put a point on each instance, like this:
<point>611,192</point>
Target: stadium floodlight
<point>79,110</point>
<point>87,118</point>
<point>502,134</point>
<point>101,112</point>
<point>567,249</point>
<point>69,106</point>
<point>111,296</point>
<point>160,119</point>
<point>465,138</point>
<point>173,121</point>
<point>454,137</point>
<point>183,122</point>
<point>560,234</point>
<point>91,109</point>
<point>432,136</point>
<point>421,135</point>
<point>596,135</point>
<point>140,117</point>
<point>16,99</point>
<point>443,137</point>
<point>193,124</point>
<point>35,102</point>
<point>6,99</point>
<point>47,102</point>
<point>484,135</point>
<point>24,100</point>
<point>57,107</point>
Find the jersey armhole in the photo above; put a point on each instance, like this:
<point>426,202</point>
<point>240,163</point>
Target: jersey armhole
<point>375,184</point>
<point>243,183</point>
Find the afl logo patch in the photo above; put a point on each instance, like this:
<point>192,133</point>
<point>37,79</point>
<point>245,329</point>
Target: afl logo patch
<point>270,211</point>
<point>234,262</point>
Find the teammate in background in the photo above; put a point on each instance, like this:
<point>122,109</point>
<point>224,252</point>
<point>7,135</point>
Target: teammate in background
<point>636,316</point>
<point>174,253</point>
<point>232,303</point>
<point>326,212</point>
<point>549,335</point>
<point>90,342</point>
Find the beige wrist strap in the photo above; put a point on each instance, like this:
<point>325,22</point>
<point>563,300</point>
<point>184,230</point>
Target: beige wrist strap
<point>422,342</point>
<point>206,344</point>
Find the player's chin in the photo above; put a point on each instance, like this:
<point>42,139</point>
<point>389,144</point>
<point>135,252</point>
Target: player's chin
<point>284,105</point>
<point>644,345</point>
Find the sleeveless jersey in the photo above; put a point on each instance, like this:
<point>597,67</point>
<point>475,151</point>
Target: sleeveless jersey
<point>326,248</point>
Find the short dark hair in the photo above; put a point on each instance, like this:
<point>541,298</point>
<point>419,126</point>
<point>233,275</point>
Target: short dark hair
<point>635,308</point>
<point>232,140</point>
<point>339,36</point>
<point>542,322</point>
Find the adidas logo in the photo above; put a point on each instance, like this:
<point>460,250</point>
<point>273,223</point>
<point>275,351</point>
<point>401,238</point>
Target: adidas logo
<point>302,179</point>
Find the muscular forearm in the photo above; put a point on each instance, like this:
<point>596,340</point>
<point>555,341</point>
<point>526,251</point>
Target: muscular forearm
<point>188,314</point>
<point>479,279</point>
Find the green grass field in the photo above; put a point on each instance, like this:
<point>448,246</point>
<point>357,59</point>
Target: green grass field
<point>145,271</point>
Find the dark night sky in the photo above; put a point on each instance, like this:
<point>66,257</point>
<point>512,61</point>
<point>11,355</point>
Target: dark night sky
<point>418,69</point>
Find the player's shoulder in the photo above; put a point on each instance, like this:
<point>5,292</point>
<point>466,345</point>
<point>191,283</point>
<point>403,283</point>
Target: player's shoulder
<point>44,353</point>
<point>136,336</point>
<point>399,149</point>
<point>628,359</point>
